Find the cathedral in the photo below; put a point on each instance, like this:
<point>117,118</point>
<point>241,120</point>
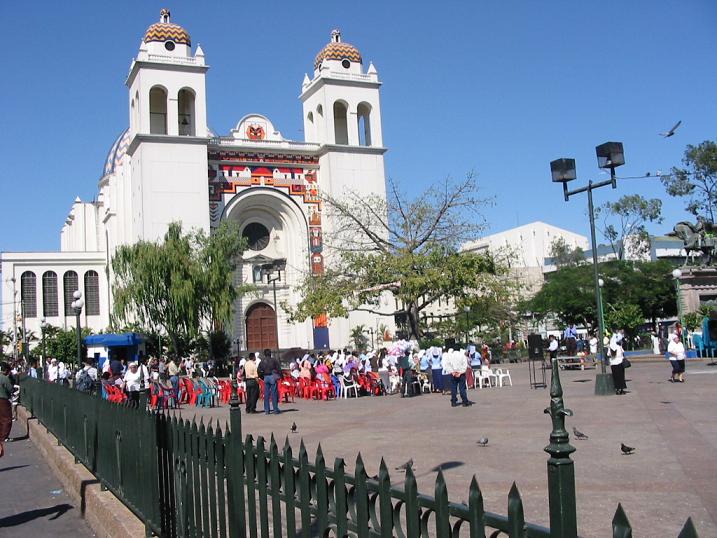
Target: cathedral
<point>169,166</point>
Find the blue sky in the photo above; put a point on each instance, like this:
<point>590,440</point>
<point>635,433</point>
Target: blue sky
<point>501,88</point>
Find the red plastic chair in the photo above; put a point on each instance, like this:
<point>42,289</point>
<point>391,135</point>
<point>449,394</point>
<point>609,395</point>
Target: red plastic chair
<point>324,387</point>
<point>287,389</point>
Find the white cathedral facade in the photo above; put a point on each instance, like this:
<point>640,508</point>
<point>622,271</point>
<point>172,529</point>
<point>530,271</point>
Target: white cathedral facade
<point>168,166</point>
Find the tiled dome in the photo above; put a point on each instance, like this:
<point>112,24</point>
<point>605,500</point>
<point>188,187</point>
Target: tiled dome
<point>167,31</point>
<point>337,50</point>
<point>117,151</point>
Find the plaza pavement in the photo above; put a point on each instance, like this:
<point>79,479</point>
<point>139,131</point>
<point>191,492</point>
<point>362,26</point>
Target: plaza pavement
<point>672,475</point>
<point>32,501</point>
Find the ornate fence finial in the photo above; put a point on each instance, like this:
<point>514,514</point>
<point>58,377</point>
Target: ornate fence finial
<point>561,471</point>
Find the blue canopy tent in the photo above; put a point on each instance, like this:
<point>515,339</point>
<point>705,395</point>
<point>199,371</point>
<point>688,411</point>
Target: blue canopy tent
<point>102,347</point>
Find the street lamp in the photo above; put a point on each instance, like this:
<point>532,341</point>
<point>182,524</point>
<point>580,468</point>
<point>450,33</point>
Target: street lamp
<point>677,275</point>
<point>601,308</point>
<point>272,271</point>
<point>77,305</point>
<point>610,155</point>
<point>43,328</point>
<point>467,310</point>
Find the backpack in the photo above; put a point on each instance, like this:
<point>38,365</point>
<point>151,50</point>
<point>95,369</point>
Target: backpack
<point>84,381</point>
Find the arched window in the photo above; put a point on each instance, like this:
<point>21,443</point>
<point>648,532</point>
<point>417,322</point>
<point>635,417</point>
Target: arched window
<point>185,117</point>
<point>341,131</point>
<point>92,293</point>
<point>158,110</point>
<point>363,114</point>
<point>310,129</point>
<point>320,123</point>
<point>70,286</point>
<point>28,293</point>
<point>49,294</point>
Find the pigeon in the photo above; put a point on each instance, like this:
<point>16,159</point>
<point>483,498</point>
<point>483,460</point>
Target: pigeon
<point>405,466</point>
<point>579,435</point>
<point>671,132</point>
<point>294,427</point>
<point>483,441</point>
<point>627,450</point>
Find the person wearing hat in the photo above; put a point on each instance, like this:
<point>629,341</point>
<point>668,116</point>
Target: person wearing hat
<point>133,379</point>
<point>52,371</point>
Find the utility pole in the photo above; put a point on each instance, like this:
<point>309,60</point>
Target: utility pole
<point>14,319</point>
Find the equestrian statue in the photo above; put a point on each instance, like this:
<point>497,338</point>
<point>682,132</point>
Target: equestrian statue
<point>700,237</point>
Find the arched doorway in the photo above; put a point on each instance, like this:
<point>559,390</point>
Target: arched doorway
<point>261,327</point>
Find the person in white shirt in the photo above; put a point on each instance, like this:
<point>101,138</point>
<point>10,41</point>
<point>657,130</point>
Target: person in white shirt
<point>53,371</point>
<point>133,379</point>
<point>456,364</point>
<point>616,365</point>
<point>62,373</point>
<point>676,353</point>
<point>593,346</point>
<point>553,347</point>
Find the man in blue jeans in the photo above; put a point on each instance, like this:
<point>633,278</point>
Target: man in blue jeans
<point>456,363</point>
<point>272,374</point>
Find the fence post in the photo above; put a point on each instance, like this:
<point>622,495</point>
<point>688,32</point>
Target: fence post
<point>561,473</point>
<point>235,458</point>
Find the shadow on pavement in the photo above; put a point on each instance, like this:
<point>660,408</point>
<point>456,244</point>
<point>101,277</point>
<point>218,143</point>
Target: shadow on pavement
<point>13,467</point>
<point>24,517</point>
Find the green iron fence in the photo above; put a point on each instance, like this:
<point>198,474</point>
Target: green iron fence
<point>185,479</point>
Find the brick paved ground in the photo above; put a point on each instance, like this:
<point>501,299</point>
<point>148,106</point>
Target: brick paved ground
<point>671,476</point>
<point>32,501</point>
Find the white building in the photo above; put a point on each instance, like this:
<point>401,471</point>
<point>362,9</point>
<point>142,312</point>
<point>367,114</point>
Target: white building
<point>168,166</point>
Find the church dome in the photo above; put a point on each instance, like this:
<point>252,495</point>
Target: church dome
<point>166,31</point>
<point>117,151</point>
<point>337,50</point>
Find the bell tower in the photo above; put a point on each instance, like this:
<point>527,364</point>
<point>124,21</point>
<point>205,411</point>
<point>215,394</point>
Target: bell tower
<point>168,132</point>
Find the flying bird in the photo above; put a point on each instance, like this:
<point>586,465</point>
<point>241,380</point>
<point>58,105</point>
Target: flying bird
<point>405,466</point>
<point>627,450</point>
<point>579,435</point>
<point>671,132</point>
<point>294,427</point>
<point>483,441</point>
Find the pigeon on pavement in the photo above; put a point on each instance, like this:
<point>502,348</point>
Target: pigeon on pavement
<point>627,450</point>
<point>294,427</point>
<point>579,435</point>
<point>483,441</point>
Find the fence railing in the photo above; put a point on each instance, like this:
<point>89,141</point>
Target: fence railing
<point>186,479</point>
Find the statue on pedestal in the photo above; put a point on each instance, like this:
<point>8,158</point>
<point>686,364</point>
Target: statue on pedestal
<point>700,237</point>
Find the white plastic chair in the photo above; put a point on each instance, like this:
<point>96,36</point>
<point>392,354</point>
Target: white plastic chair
<point>486,377</point>
<point>346,388</point>
<point>503,375</point>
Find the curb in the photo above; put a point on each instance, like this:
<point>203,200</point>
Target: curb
<point>102,511</point>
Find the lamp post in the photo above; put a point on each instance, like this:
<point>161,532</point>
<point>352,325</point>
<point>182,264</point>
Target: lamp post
<point>677,275</point>
<point>43,328</point>
<point>14,318</point>
<point>466,310</point>
<point>77,305</point>
<point>610,155</point>
<point>273,274</point>
<point>601,308</point>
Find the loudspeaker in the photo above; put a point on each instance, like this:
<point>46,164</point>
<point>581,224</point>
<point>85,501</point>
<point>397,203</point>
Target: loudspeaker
<point>535,347</point>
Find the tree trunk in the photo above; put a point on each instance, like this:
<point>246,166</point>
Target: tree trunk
<point>413,321</point>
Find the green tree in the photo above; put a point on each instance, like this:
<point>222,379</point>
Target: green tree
<point>408,246</point>
<point>622,315</point>
<point>358,335</point>
<point>697,180</point>
<point>564,255</point>
<point>569,293</point>
<point>176,285</point>
<point>624,224</point>
<point>61,344</point>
